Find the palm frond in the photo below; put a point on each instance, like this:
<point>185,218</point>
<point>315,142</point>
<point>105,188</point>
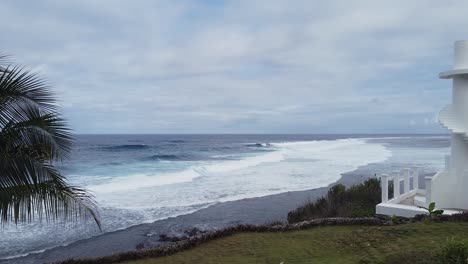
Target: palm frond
<point>3,61</point>
<point>20,88</point>
<point>35,130</point>
<point>22,176</point>
<point>32,136</point>
<point>48,201</point>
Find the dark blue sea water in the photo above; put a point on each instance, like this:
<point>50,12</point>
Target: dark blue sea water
<point>143,178</point>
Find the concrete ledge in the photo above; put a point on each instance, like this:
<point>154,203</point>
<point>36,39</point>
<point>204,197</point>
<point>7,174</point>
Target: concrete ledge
<point>406,210</point>
<point>399,210</point>
<point>452,73</point>
<point>419,200</point>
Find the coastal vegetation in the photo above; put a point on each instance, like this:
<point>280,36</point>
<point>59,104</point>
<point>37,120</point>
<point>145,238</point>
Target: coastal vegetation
<point>33,138</point>
<point>356,201</point>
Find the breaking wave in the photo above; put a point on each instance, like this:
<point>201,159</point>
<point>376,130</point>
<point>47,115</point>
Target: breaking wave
<point>125,147</point>
<point>343,155</point>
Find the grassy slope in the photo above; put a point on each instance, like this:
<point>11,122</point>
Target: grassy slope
<point>338,244</point>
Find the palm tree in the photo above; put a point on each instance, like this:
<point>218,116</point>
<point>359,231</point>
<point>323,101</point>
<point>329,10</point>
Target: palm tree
<point>33,137</point>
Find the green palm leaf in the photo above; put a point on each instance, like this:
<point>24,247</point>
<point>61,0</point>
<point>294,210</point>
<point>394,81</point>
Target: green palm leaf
<point>33,137</point>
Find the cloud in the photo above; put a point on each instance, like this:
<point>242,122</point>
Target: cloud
<point>240,66</point>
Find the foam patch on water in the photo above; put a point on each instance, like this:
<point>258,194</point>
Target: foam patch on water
<point>134,182</point>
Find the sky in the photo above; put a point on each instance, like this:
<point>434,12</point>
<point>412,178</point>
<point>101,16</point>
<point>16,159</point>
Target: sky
<point>241,66</point>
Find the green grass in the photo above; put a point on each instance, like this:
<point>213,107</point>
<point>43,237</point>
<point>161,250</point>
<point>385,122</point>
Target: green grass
<point>337,244</point>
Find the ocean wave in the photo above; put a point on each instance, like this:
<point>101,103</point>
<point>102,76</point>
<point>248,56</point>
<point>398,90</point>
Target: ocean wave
<point>111,163</point>
<point>176,141</point>
<point>343,151</point>
<point>173,157</point>
<point>259,145</point>
<point>185,157</point>
<point>125,147</point>
<point>138,181</point>
<point>163,157</point>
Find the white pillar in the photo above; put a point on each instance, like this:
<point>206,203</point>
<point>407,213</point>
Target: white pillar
<point>396,185</point>
<point>406,184</point>
<point>447,163</point>
<point>460,55</point>
<point>460,98</point>
<point>416,179</point>
<point>459,154</point>
<point>428,181</point>
<point>384,186</point>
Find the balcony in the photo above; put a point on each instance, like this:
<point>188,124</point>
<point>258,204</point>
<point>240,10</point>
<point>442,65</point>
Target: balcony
<point>406,197</point>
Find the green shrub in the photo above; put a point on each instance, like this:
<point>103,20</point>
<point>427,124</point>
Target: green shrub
<point>356,201</point>
<point>395,219</point>
<point>454,252</point>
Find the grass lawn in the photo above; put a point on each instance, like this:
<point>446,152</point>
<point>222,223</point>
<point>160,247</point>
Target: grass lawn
<point>337,244</point>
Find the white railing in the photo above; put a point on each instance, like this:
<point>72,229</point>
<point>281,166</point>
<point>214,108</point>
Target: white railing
<point>437,186</point>
<point>408,176</point>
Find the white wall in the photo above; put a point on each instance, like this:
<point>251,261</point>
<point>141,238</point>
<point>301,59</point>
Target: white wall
<point>460,98</point>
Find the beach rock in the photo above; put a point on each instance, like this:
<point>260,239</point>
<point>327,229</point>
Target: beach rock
<point>177,236</point>
<point>172,237</point>
<point>194,232</point>
<point>140,246</point>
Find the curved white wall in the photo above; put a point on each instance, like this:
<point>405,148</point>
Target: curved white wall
<point>456,179</point>
<point>461,55</point>
<point>460,98</point>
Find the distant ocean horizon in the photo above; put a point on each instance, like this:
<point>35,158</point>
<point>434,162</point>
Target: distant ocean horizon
<point>142,178</point>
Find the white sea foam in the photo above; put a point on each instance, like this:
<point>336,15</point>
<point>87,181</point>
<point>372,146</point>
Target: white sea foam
<point>344,152</point>
<point>137,181</point>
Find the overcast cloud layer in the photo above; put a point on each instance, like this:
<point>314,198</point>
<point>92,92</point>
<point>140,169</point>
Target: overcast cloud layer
<point>241,66</point>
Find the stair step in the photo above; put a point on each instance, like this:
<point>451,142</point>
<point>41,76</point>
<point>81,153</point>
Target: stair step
<point>448,119</point>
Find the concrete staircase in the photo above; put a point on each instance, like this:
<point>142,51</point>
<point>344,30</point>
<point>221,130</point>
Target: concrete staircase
<point>448,119</point>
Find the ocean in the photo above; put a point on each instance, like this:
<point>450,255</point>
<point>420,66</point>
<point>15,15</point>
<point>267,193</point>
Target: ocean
<point>143,178</point>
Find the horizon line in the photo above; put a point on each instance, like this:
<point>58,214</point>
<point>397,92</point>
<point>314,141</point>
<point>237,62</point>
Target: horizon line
<point>448,134</point>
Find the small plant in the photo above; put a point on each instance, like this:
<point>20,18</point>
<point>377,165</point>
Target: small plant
<point>431,210</point>
<point>455,252</point>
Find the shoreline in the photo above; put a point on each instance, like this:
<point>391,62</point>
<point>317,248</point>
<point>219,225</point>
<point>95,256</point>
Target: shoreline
<point>258,210</point>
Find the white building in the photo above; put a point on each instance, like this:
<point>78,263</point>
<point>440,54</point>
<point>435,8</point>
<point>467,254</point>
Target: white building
<point>448,188</point>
